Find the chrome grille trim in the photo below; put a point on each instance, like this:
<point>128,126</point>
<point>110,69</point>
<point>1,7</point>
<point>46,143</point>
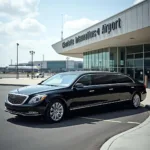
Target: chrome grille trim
<point>17,95</point>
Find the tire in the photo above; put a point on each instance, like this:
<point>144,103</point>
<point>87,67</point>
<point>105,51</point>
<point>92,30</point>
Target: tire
<point>136,99</point>
<point>55,111</point>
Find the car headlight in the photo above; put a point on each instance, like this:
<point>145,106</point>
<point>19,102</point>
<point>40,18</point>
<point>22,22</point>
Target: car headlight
<point>37,99</point>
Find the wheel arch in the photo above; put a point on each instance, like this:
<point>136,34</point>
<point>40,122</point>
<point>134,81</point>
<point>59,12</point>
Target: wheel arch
<point>136,92</point>
<point>59,97</point>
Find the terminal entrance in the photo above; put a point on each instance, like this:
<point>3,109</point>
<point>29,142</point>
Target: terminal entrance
<point>135,64</point>
<point>131,60</point>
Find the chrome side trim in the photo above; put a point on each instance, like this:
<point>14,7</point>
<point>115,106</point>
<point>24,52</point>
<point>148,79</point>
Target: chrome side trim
<point>7,101</point>
<point>97,104</point>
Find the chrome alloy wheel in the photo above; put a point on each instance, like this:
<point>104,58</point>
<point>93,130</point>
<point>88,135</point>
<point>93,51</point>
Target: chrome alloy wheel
<point>136,100</point>
<point>56,111</point>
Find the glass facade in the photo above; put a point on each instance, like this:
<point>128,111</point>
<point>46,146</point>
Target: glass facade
<point>131,60</point>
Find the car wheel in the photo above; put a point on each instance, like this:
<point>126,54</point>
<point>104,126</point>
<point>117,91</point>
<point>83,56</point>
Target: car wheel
<point>55,111</point>
<point>136,100</point>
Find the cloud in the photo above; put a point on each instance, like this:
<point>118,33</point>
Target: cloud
<point>79,24</point>
<point>19,8</point>
<point>39,46</point>
<point>28,25</point>
<point>137,1</point>
<point>74,26</point>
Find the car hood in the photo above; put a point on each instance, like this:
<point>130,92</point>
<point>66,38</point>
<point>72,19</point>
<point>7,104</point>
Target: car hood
<point>28,90</point>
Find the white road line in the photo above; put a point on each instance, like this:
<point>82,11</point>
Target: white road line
<point>92,118</point>
<point>113,121</point>
<point>133,122</point>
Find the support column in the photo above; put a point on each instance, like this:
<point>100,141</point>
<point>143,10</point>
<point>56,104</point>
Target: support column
<point>109,58</point>
<point>117,60</point>
<point>143,64</point>
<point>125,60</point>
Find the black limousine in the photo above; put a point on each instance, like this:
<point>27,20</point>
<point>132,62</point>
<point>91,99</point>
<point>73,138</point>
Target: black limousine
<point>63,92</point>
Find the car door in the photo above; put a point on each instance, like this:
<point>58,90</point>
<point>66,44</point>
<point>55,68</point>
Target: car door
<point>125,87</point>
<point>97,90</point>
<point>105,89</point>
<point>82,96</point>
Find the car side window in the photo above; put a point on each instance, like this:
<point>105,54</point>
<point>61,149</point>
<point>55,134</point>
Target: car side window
<point>123,79</point>
<point>98,79</point>
<point>85,80</point>
<point>103,79</point>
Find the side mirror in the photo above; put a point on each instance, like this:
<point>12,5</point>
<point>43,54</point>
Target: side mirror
<point>78,85</point>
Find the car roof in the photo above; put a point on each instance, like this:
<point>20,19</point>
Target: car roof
<point>90,72</point>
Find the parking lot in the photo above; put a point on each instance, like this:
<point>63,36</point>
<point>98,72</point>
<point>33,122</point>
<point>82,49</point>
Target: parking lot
<point>83,130</point>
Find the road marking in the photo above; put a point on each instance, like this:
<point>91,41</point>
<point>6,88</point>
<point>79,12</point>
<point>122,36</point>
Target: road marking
<point>92,118</point>
<point>133,122</point>
<point>113,121</point>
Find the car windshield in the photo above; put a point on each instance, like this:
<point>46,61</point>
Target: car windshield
<point>60,80</point>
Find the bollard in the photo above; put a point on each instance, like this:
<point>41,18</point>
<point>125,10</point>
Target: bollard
<point>146,81</point>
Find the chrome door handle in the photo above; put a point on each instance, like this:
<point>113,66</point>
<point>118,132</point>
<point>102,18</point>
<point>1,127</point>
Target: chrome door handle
<point>91,91</point>
<point>132,87</point>
<point>111,89</point>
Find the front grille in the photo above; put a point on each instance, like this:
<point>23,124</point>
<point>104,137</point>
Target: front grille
<point>16,99</point>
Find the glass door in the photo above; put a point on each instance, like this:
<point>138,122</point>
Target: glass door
<point>135,66</point>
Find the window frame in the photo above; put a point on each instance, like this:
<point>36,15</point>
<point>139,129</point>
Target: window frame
<point>125,76</point>
<point>80,78</point>
<point>103,84</point>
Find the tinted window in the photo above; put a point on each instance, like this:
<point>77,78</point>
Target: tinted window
<point>103,79</point>
<point>85,80</point>
<point>123,79</point>
<point>109,79</point>
<point>99,79</point>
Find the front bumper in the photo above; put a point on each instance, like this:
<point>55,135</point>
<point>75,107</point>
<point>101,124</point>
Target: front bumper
<point>25,110</point>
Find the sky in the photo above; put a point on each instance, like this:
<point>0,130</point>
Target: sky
<point>37,24</point>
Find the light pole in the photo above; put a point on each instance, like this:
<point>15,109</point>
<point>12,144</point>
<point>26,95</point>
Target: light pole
<point>11,62</point>
<point>42,69</point>
<point>17,74</point>
<point>32,53</point>
<point>67,64</point>
<point>43,64</point>
<point>62,26</point>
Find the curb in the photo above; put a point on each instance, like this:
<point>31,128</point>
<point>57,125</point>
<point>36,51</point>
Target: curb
<point>107,145</point>
<point>13,85</point>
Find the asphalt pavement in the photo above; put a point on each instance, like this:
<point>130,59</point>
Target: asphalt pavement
<point>84,130</point>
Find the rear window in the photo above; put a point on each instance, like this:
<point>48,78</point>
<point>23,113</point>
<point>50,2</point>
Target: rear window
<point>123,79</point>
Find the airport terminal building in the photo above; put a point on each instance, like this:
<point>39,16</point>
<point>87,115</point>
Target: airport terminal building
<point>120,43</point>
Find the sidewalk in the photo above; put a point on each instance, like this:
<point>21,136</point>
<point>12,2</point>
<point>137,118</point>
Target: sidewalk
<point>20,81</point>
<point>137,138</point>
